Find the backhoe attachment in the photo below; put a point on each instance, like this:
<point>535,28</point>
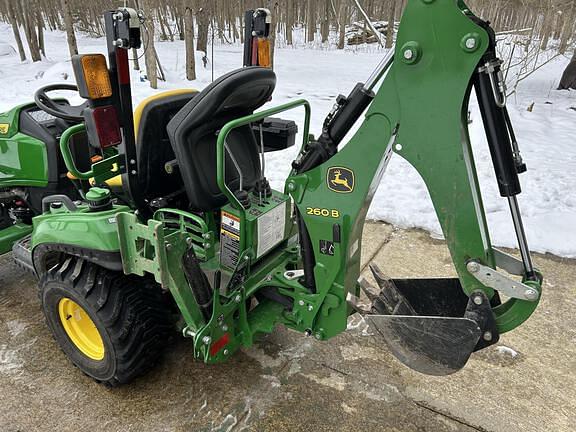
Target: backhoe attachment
<point>420,112</point>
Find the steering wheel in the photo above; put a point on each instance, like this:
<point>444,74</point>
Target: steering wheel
<point>66,112</point>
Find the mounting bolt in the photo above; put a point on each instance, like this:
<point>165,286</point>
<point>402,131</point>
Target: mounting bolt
<point>238,298</point>
<point>189,241</point>
<point>206,236</point>
<point>411,52</point>
<point>473,267</point>
<point>226,352</point>
<point>531,294</point>
<point>224,328</point>
<point>318,336</point>
<point>291,187</point>
<point>488,336</point>
<point>470,42</point>
<point>478,300</point>
<point>301,302</point>
<point>206,340</point>
<point>310,308</point>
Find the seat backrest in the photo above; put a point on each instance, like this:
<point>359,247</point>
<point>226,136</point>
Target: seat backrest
<point>152,143</point>
<point>193,133</point>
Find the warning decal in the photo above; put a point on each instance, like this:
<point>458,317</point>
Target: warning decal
<point>229,240</point>
<point>271,227</point>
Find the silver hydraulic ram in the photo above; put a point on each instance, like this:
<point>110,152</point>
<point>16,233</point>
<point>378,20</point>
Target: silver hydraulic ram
<point>491,90</point>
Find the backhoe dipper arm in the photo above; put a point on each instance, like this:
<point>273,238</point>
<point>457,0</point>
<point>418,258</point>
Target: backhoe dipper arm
<point>419,112</point>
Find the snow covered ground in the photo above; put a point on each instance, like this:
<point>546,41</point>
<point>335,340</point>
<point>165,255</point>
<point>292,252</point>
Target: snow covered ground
<point>547,135</point>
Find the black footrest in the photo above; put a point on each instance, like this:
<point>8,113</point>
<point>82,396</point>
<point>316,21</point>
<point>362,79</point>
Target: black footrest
<point>22,253</point>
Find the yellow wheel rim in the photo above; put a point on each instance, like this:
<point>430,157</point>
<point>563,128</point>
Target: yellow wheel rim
<point>81,329</point>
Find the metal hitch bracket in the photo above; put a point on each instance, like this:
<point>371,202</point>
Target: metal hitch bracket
<point>501,282</point>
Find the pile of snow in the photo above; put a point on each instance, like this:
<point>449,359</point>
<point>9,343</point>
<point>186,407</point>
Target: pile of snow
<point>546,134</point>
<point>6,50</point>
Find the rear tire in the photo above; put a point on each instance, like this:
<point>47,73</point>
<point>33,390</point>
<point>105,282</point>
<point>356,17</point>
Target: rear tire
<point>111,326</point>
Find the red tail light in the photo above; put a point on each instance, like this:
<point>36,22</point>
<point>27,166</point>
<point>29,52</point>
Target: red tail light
<point>102,124</point>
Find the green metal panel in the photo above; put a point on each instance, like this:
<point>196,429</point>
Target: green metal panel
<point>11,235</point>
<point>89,230</point>
<point>23,159</point>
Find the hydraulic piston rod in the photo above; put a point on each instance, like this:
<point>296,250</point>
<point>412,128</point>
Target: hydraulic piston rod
<point>503,147</point>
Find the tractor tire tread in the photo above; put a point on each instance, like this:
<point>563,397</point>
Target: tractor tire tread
<point>130,309</point>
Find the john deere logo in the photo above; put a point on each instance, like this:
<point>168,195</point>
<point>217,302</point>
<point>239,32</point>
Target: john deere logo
<point>341,180</point>
<point>4,128</point>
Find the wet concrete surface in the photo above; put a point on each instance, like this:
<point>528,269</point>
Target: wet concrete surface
<point>288,382</point>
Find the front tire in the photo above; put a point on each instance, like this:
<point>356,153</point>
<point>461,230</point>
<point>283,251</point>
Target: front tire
<point>111,326</point>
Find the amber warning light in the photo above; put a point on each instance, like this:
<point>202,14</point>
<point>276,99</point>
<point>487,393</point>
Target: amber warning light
<point>92,76</point>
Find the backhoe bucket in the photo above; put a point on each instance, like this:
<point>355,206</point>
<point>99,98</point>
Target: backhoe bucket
<point>430,325</point>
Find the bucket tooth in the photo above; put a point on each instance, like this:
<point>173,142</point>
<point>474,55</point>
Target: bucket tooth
<point>368,289</point>
<point>390,301</point>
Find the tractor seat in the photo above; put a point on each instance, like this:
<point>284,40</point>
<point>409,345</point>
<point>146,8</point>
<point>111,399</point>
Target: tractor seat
<point>193,133</point>
<point>152,143</point>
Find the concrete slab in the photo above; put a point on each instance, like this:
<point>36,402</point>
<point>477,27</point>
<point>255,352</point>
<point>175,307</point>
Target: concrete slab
<point>525,383</point>
<point>288,382</point>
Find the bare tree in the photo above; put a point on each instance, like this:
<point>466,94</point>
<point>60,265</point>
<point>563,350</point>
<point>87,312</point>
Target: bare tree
<point>391,21</point>
<point>15,29</point>
<point>189,40</point>
<point>69,25</point>
<point>30,32</point>
<point>150,55</point>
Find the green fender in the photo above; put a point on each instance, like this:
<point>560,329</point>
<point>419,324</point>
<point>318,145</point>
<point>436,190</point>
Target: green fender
<point>89,235</point>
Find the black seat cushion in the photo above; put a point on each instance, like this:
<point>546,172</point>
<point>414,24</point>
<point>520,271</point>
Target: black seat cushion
<point>153,145</point>
<point>194,131</point>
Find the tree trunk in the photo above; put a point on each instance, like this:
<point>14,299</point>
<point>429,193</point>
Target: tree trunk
<point>202,21</point>
<point>311,18</point>
<point>40,24</point>
<point>391,22</point>
<point>275,10</point>
<point>30,31</point>
<point>342,24</point>
<point>69,24</point>
<point>325,26</point>
<point>150,57</point>
<point>189,40</point>
<point>15,29</point>
<point>568,80</point>
<point>135,59</point>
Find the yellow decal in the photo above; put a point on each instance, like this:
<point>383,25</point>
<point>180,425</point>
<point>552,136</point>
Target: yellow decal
<point>312,211</point>
<point>340,180</point>
<point>4,128</point>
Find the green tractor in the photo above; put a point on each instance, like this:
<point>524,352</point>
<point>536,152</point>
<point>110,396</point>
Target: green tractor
<point>141,223</point>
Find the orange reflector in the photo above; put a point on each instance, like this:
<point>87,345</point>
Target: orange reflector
<point>219,344</point>
<point>96,76</point>
<point>264,54</point>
